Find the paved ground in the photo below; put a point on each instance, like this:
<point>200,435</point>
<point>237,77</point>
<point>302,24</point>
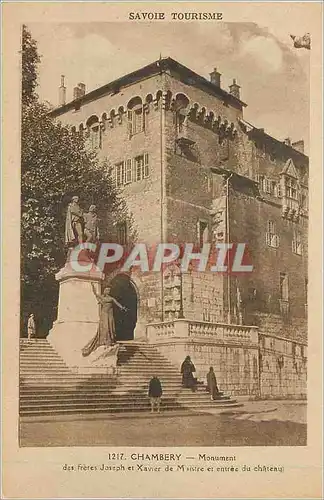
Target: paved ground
<point>272,423</point>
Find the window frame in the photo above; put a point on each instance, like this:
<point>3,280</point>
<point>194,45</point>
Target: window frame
<point>296,243</point>
<point>136,125</point>
<point>119,173</point>
<point>272,238</point>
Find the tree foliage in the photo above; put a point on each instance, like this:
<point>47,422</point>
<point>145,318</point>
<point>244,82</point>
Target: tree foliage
<point>55,165</point>
<point>30,61</point>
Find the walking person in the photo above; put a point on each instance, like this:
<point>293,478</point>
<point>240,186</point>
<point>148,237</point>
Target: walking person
<point>155,393</point>
<point>31,327</point>
<point>212,384</point>
<point>188,372</point>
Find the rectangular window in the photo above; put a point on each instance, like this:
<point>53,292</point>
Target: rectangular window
<point>284,290</point>
<point>272,239</point>
<point>135,120</point>
<point>139,163</point>
<point>121,233</point>
<point>95,137</point>
<point>119,169</point>
<point>128,171</point>
<point>297,243</point>
<point>203,235</point>
<point>291,188</point>
<point>273,187</point>
<point>146,166</point>
<point>267,186</point>
<point>141,167</point>
<point>138,120</point>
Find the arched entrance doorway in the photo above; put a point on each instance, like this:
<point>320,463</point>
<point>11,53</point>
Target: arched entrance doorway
<point>124,291</point>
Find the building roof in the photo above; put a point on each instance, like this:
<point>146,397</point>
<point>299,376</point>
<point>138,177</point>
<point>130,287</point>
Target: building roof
<point>260,134</point>
<point>159,66</point>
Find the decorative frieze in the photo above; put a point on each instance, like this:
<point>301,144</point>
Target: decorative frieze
<point>195,112</point>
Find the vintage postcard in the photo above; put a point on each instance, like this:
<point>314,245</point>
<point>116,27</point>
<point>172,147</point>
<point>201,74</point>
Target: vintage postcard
<point>162,302</point>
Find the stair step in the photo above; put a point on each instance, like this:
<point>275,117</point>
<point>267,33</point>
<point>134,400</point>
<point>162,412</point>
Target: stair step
<point>114,395</point>
<point>49,387</point>
<point>114,404</point>
<point>169,408</point>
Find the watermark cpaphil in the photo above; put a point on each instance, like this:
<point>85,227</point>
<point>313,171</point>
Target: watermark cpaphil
<point>216,258</point>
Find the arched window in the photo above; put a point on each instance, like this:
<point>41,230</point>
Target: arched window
<point>181,105</point>
<point>135,116</point>
<point>93,126</point>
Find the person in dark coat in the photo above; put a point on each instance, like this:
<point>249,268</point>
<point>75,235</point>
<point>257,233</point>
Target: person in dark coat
<point>212,384</point>
<point>155,393</point>
<point>187,370</point>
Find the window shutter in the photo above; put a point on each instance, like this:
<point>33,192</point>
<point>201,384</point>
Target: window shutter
<point>130,122</point>
<point>128,171</point>
<point>134,176</point>
<point>146,165</point>
<point>143,119</point>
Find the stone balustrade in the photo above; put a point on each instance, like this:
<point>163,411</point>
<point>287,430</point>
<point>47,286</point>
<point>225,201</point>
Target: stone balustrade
<point>187,329</point>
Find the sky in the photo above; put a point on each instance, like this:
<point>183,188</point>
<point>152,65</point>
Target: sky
<point>273,75</point>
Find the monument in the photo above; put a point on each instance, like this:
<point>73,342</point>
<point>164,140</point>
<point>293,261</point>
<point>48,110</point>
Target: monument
<point>77,334</point>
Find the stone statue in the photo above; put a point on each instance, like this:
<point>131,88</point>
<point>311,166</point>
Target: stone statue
<point>31,327</point>
<point>91,230</point>
<point>74,223</point>
<point>106,334</point>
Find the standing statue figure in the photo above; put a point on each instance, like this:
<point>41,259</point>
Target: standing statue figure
<point>106,335</point>
<point>74,223</point>
<point>31,327</point>
<point>91,229</point>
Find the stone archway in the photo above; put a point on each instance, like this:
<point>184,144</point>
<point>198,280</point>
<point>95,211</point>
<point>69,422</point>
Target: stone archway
<point>123,289</point>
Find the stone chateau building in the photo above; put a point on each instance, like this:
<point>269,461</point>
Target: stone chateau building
<point>191,169</point>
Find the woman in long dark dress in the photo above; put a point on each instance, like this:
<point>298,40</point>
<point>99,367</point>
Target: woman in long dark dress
<point>187,370</point>
<point>212,384</point>
<point>106,334</point>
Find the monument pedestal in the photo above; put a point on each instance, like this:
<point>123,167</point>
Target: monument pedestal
<point>78,316</point>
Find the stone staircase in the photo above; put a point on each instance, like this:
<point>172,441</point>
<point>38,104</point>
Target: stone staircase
<point>49,387</point>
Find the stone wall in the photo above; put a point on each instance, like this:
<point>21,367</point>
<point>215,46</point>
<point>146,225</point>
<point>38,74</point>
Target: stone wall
<point>203,296</point>
<point>236,367</point>
<point>246,362</point>
<point>283,368</point>
<point>260,289</point>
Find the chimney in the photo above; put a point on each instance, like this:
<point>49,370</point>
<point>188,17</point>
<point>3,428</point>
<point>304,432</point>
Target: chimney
<point>215,77</point>
<point>62,92</point>
<point>79,91</point>
<point>299,146</point>
<point>287,141</point>
<point>82,88</point>
<point>235,89</point>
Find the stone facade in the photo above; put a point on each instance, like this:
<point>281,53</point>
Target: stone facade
<point>191,169</point>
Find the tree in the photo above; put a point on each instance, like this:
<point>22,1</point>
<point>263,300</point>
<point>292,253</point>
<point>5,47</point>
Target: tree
<point>30,61</point>
<point>55,164</point>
